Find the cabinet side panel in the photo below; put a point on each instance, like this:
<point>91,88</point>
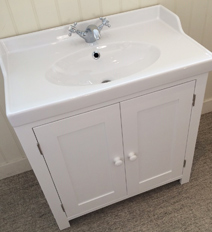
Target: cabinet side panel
<point>194,125</point>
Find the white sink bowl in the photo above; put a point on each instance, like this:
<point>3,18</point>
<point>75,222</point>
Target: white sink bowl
<point>48,73</point>
<point>117,60</point>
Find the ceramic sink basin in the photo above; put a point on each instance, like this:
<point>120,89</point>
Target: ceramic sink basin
<point>48,73</point>
<point>117,60</point>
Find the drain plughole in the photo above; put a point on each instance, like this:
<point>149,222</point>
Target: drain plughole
<point>106,81</point>
<point>96,55</point>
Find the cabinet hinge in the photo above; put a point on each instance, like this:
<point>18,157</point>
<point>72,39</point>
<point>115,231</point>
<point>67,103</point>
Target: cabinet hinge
<point>194,100</point>
<point>63,208</point>
<point>184,163</point>
<point>39,148</point>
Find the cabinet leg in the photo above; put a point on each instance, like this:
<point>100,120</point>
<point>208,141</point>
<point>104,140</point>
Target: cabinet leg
<point>62,224</point>
<point>184,180</point>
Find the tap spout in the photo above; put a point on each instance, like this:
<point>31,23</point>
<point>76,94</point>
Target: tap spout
<point>96,34</point>
<point>92,34</point>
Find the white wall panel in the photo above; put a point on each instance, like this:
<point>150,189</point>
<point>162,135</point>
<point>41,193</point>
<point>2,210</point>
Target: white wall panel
<point>6,22</point>
<point>12,157</point>
<point>207,34</point>
<point>170,4</point>
<point>111,7</point>
<point>208,93</point>
<point>184,10</point>
<point>90,9</point>
<point>198,19</point>
<point>2,158</point>
<point>130,5</point>
<point>145,3</point>
<point>47,13</point>
<point>8,146</point>
<point>69,11</point>
<point>23,15</point>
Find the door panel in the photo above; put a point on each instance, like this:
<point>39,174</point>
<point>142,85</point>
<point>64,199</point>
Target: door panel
<point>80,153</point>
<point>155,128</point>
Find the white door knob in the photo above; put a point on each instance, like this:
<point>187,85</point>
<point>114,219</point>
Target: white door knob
<point>118,161</point>
<point>132,156</point>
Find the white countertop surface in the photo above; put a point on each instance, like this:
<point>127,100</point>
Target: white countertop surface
<point>25,60</point>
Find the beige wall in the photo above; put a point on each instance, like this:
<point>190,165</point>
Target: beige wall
<point>12,157</point>
<point>196,18</point>
<point>24,16</point>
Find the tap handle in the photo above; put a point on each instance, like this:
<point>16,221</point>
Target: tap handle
<point>105,22</point>
<point>72,28</point>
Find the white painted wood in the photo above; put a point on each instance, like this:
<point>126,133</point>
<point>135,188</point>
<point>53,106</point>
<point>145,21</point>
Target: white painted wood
<point>145,3</point>
<point>84,149</point>
<point>207,106</point>
<point>6,23</point>
<point>69,11</point>
<point>90,9</point>
<point>7,143</point>
<point>184,10</point>
<point>42,170</point>
<point>91,210</point>
<point>129,5</point>
<point>23,15</point>
<point>111,7</point>
<point>207,41</point>
<point>12,158</point>
<point>194,125</point>
<point>208,93</point>
<point>2,158</point>
<point>47,13</point>
<point>155,128</point>
<point>29,143</point>
<point>170,4</point>
<point>14,167</point>
<point>198,19</point>
<point>2,100</point>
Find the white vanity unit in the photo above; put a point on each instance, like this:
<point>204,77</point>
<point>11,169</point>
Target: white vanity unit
<point>100,131</point>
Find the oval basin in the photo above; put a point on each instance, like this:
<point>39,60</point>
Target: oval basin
<point>117,60</point>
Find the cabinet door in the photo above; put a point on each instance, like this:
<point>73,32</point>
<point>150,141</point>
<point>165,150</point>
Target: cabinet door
<point>80,153</point>
<point>155,129</point>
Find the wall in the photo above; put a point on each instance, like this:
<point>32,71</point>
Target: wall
<point>12,158</point>
<point>23,16</point>
<point>196,18</point>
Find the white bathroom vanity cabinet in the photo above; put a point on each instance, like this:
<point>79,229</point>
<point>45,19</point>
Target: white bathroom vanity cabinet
<point>92,144</point>
<point>144,137</point>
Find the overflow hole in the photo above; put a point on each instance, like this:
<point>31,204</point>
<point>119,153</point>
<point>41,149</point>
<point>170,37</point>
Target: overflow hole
<point>105,81</point>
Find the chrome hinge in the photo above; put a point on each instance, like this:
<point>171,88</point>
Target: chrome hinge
<point>63,208</point>
<point>194,100</point>
<point>39,148</point>
<point>184,163</point>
